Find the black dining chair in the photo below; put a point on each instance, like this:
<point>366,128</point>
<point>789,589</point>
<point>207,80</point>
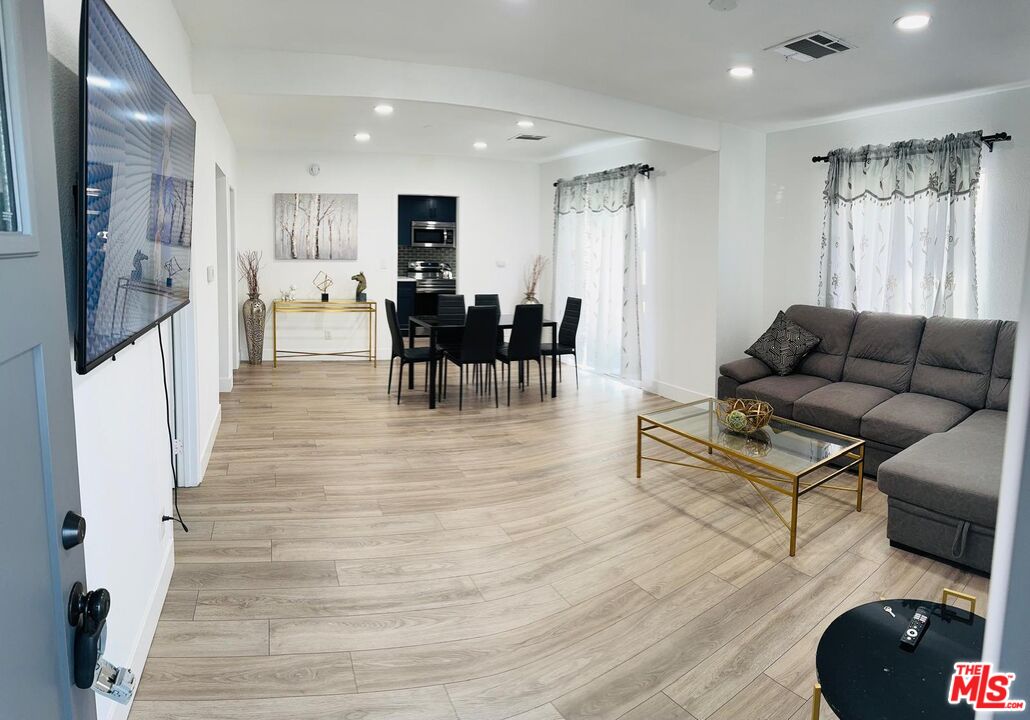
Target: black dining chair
<point>488,300</point>
<point>478,346</point>
<point>408,356</point>
<point>524,344</point>
<point>451,308</point>
<point>494,301</point>
<point>566,335</point>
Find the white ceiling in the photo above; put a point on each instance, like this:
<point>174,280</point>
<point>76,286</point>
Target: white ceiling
<point>668,53</point>
<point>323,123</point>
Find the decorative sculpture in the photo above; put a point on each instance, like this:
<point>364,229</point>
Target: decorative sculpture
<point>173,268</point>
<point>359,293</point>
<point>137,266</point>
<point>288,295</point>
<point>323,282</point>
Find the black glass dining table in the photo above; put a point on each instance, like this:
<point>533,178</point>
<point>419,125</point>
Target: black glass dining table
<point>435,323</point>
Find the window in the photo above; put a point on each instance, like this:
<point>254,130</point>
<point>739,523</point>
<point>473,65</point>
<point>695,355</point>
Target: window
<point>9,220</point>
<point>899,229</point>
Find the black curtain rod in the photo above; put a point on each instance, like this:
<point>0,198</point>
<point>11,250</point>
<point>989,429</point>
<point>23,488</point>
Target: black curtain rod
<point>644,170</point>
<point>988,140</point>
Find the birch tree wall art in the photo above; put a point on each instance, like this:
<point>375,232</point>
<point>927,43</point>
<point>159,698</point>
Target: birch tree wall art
<point>316,226</point>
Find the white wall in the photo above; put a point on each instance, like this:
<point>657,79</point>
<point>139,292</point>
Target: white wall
<point>124,474</point>
<point>686,221</point>
<point>740,316</point>
<point>794,205</point>
<point>1006,638</point>
<point>497,222</point>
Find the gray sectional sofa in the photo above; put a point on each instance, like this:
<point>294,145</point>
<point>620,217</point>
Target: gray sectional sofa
<point>930,398</point>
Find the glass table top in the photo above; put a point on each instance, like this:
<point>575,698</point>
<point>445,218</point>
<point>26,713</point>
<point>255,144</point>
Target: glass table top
<point>782,444</point>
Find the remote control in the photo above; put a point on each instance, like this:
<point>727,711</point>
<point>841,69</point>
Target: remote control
<point>916,627</point>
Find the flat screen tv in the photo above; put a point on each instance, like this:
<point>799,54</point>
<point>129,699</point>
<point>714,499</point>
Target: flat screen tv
<point>135,191</point>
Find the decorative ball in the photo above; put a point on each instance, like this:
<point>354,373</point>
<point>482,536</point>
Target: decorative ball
<point>736,420</point>
<point>743,415</point>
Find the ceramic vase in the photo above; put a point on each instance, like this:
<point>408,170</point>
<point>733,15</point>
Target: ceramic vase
<point>254,328</point>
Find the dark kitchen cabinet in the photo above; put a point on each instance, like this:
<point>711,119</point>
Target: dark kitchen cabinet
<point>443,209</point>
<point>423,207</point>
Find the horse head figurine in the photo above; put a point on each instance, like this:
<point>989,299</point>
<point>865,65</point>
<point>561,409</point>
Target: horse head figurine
<point>362,285</point>
<point>137,266</point>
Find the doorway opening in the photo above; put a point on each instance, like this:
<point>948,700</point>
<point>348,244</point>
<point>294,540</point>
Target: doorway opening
<point>225,269</point>
<point>234,317</point>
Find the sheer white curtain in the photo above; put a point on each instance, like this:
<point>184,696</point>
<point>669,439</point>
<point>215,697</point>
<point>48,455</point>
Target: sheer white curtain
<point>598,257</point>
<point>647,271</point>
<point>899,227</point>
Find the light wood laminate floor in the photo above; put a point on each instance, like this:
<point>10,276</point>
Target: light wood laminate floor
<point>352,558</point>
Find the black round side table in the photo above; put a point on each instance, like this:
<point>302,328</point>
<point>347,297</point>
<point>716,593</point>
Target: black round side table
<point>865,674</point>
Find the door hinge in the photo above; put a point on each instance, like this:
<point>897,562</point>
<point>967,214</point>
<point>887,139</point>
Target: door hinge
<point>177,446</point>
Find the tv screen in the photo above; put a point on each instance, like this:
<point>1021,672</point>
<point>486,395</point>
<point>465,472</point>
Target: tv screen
<point>136,192</point>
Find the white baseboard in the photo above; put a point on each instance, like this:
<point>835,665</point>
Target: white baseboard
<point>210,444</point>
<point>679,394</point>
<point>109,709</point>
<point>225,384</point>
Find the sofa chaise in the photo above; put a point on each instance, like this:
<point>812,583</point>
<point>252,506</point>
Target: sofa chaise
<point>930,398</point>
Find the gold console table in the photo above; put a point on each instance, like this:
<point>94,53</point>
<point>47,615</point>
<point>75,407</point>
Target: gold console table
<point>332,306</point>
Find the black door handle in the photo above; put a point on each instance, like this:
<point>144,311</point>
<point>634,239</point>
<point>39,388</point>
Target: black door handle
<point>73,530</point>
<point>87,613</point>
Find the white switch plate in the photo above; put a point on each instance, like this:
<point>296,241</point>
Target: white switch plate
<point>502,263</point>
<point>210,273</point>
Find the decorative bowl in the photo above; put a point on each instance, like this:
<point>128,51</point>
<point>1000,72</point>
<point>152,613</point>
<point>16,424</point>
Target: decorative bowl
<point>742,415</point>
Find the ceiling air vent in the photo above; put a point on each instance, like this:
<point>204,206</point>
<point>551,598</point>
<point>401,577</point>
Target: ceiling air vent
<point>811,47</point>
<point>527,136</point>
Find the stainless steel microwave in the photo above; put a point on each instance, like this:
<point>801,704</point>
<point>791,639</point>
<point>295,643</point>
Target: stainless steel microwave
<point>430,233</point>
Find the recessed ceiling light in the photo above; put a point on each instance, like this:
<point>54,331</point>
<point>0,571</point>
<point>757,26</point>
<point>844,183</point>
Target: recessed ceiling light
<point>384,109</point>
<point>362,137</point>
<point>910,23</point>
<point>742,71</point>
<point>479,145</point>
<point>525,124</point>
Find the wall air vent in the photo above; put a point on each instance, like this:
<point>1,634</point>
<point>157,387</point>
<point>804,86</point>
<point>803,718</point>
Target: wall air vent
<point>811,47</point>
<point>526,136</point>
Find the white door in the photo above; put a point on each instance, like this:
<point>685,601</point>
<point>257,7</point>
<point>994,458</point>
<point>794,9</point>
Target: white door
<point>38,472</point>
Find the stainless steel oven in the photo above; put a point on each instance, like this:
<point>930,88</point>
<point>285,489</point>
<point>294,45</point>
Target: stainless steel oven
<point>432,279</point>
<point>430,233</point>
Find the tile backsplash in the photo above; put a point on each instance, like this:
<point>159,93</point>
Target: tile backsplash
<point>407,254</point>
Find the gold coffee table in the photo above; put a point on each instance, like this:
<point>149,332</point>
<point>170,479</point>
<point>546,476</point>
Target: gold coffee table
<point>777,458</point>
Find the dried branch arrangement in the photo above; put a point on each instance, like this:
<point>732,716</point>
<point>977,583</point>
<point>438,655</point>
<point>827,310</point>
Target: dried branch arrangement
<point>250,263</point>
<point>534,273</point>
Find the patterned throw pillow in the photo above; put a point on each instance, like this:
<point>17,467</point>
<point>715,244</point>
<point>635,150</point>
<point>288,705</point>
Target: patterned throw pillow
<point>783,345</point>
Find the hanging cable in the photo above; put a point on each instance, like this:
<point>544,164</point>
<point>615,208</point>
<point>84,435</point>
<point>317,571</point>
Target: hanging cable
<point>171,441</point>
